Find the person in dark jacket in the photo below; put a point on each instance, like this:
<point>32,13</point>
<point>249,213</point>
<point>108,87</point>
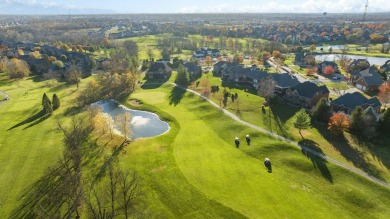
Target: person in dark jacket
<point>237,142</point>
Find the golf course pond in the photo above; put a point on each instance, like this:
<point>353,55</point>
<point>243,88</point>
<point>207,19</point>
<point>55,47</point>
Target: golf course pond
<point>143,124</point>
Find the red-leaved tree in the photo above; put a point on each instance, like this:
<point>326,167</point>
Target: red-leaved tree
<point>328,70</point>
<point>338,123</point>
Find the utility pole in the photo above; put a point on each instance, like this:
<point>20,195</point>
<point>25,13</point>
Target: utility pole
<point>365,11</point>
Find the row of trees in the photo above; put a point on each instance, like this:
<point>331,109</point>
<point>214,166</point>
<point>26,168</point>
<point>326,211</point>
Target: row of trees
<point>50,106</point>
<point>361,123</point>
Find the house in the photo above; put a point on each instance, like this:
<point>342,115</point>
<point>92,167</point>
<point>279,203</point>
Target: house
<point>219,66</point>
<point>369,83</point>
<point>321,67</point>
<point>193,69</point>
<point>357,74</point>
<point>386,67</point>
<point>358,65</point>
<point>348,102</point>
<point>205,51</point>
<point>366,80</point>
<point>239,73</point>
<point>305,95</point>
<point>276,84</point>
<point>159,71</point>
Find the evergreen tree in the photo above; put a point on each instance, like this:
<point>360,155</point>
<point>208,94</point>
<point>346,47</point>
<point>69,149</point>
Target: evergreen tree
<point>56,102</point>
<point>183,77</point>
<point>46,104</point>
<point>384,122</point>
<point>321,111</point>
<point>356,120</point>
<point>302,121</point>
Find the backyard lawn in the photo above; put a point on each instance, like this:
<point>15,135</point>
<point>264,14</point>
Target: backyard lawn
<point>194,170</point>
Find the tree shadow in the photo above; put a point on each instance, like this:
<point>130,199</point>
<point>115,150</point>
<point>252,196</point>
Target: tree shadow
<point>58,87</point>
<point>152,84</point>
<point>45,197</point>
<point>40,114</point>
<point>176,95</point>
<point>281,114</point>
<point>378,147</point>
<point>36,122</point>
<point>240,86</point>
<point>343,146</point>
<point>312,151</point>
<point>72,111</point>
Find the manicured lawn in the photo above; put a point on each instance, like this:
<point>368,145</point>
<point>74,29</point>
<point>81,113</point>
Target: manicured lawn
<point>194,170</point>
<point>372,158</point>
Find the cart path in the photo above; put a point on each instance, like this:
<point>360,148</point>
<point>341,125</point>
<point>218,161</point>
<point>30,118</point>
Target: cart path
<point>302,147</point>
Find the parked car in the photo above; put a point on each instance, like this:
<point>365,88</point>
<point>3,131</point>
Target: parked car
<point>336,77</point>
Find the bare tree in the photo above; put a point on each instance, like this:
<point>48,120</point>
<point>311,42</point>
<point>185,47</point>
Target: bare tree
<point>75,137</point>
<point>130,191</point>
<point>123,121</point>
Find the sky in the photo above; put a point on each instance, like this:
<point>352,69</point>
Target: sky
<point>185,6</point>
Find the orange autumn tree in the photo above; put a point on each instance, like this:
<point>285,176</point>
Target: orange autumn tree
<point>384,93</point>
<point>338,123</point>
<point>329,70</point>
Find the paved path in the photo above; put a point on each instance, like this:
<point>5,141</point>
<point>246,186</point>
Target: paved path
<point>258,128</point>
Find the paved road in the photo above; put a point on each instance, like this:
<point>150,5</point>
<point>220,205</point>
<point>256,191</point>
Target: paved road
<point>323,156</point>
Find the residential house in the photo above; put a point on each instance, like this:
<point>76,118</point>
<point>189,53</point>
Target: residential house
<point>366,80</point>
<point>219,66</point>
<point>386,67</point>
<point>276,84</point>
<point>305,95</point>
<point>358,65</point>
<point>349,101</point>
<point>369,83</point>
<point>205,51</point>
<point>239,73</point>
<point>159,71</point>
<point>321,67</point>
<point>193,69</point>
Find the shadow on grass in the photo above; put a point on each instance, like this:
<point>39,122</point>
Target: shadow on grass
<point>40,115</point>
<point>72,111</point>
<point>58,87</point>
<point>153,83</point>
<point>378,147</point>
<point>276,116</point>
<point>239,85</point>
<point>52,195</point>
<point>176,95</point>
<point>45,197</point>
<point>343,146</point>
<point>318,162</point>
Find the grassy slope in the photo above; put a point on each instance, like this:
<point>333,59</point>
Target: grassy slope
<point>371,158</point>
<point>28,149</point>
<point>205,154</point>
<point>193,171</point>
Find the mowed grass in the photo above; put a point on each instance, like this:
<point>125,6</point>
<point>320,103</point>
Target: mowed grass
<point>373,158</point>
<point>29,143</point>
<point>194,170</point>
<point>203,152</point>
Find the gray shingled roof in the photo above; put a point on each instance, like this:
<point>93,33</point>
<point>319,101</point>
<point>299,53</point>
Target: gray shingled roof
<point>285,80</point>
<point>309,89</point>
<point>353,100</point>
<point>372,80</point>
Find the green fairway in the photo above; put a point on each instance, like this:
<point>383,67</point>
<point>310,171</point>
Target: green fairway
<point>194,170</point>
